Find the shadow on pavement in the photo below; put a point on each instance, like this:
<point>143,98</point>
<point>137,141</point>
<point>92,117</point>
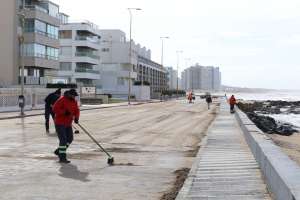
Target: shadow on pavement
<point>71,171</point>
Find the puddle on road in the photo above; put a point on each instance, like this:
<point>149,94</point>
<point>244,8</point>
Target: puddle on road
<point>78,156</point>
<point>125,164</point>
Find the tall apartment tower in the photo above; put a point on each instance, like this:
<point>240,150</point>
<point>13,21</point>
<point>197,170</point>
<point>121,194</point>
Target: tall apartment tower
<point>172,76</point>
<point>79,53</point>
<point>33,23</point>
<point>201,78</point>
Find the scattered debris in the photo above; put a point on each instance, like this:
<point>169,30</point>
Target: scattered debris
<point>181,175</point>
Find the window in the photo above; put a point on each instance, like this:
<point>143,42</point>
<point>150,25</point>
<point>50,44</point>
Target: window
<point>53,10</point>
<point>65,34</point>
<point>105,49</point>
<point>121,81</point>
<point>52,53</point>
<point>40,27</point>
<point>40,51</point>
<point>52,31</point>
<point>29,25</point>
<point>65,66</point>
<point>65,51</point>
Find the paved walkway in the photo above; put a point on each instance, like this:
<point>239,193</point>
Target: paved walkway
<point>225,167</point>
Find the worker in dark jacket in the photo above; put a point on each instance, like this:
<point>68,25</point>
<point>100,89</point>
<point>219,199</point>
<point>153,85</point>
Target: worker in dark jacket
<point>66,110</point>
<point>49,102</point>
<point>208,100</point>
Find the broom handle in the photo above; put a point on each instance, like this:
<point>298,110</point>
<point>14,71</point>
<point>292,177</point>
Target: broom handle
<point>94,139</point>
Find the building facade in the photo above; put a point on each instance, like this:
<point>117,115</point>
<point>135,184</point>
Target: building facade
<point>29,37</point>
<point>201,78</point>
<point>121,67</point>
<point>172,78</point>
<point>153,73</point>
<point>79,54</point>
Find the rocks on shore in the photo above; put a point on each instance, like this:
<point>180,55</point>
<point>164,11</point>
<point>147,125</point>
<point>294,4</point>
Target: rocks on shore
<point>257,111</point>
<point>269,125</point>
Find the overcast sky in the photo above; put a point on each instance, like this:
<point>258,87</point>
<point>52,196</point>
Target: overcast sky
<point>255,43</point>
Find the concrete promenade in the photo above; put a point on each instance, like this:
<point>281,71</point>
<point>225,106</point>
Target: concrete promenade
<point>149,143</point>
<point>225,167</point>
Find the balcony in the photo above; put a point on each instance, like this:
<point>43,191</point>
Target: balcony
<point>90,74</point>
<point>88,39</point>
<point>38,12</point>
<point>87,54</point>
<point>84,70</point>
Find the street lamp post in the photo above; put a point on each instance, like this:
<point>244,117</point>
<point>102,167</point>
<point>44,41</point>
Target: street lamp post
<point>21,54</point>
<point>187,60</point>
<point>162,60</point>
<point>178,52</point>
<point>130,53</point>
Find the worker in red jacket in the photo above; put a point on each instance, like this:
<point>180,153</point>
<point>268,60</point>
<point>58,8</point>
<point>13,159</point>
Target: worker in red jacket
<point>66,110</point>
<point>232,102</point>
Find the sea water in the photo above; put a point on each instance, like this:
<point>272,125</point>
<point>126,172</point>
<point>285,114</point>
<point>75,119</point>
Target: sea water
<point>274,96</point>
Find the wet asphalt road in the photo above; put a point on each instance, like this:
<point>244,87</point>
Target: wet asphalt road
<point>149,142</point>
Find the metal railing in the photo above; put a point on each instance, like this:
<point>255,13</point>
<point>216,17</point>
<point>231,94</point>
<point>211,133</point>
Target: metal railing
<point>87,38</point>
<point>86,54</point>
<point>40,9</point>
<point>32,30</point>
<point>38,55</point>
<point>83,70</point>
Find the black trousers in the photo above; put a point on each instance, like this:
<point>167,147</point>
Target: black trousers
<point>231,107</point>
<point>48,112</point>
<point>65,136</point>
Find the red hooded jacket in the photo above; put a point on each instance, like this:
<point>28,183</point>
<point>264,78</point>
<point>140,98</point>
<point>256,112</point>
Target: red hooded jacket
<point>60,107</point>
<point>232,100</point>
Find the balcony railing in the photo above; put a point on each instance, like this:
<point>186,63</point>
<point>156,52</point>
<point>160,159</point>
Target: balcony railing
<point>83,70</point>
<point>86,38</point>
<point>32,80</point>
<point>31,30</point>
<point>38,55</point>
<point>40,9</point>
<point>87,54</point>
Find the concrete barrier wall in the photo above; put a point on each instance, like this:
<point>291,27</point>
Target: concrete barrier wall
<point>34,98</point>
<point>282,175</point>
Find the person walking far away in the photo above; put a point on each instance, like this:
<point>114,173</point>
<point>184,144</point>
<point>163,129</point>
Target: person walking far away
<point>49,102</point>
<point>208,100</point>
<point>66,110</point>
<point>232,102</point>
<point>190,97</point>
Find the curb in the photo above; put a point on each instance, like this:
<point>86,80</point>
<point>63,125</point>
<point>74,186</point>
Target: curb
<point>281,174</point>
<point>85,109</point>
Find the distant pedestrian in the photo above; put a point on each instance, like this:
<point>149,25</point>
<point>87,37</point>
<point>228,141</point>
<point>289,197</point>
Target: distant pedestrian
<point>232,102</point>
<point>190,97</point>
<point>49,102</point>
<point>66,110</point>
<point>208,100</point>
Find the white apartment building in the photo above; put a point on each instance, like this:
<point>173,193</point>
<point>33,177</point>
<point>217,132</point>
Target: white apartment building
<point>201,78</point>
<point>31,26</point>
<point>79,53</point>
<point>119,65</point>
<point>172,78</point>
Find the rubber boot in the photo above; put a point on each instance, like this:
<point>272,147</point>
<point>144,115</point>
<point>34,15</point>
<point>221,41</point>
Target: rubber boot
<point>63,158</point>
<point>56,152</point>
